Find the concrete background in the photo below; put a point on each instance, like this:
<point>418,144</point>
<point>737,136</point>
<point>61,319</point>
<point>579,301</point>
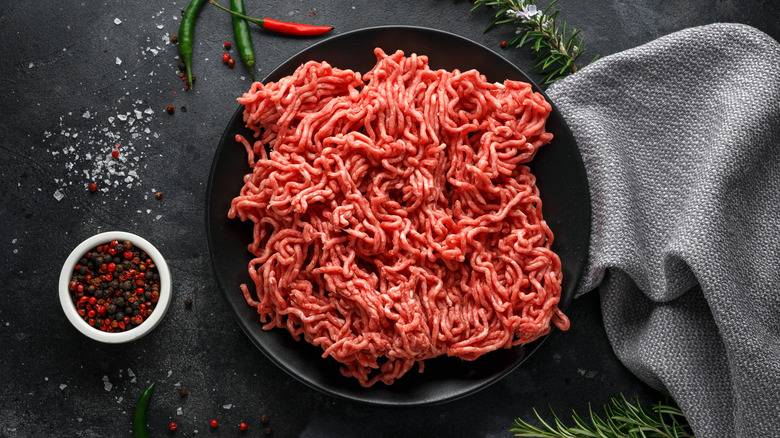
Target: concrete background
<point>73,75</point>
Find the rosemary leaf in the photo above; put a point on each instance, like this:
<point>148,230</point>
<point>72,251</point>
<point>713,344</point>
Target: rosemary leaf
<point>556,51</point>
<point>621,419</point>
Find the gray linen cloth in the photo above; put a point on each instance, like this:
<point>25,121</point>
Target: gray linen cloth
<point>681,143</point>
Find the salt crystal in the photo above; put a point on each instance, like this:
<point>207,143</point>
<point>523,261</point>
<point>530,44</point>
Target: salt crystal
<point>154,51</point>
<point>119,399</point>
<point>86,114</point>
<point>111,120</point>
<point>63,386</point>
<point>58,195</point>
<point>170,372</point>
<point>106,384</point>
<point>31,65</point>
<point>121,117</point>
<point>227,406</point>
<point>160,26</point>
<point>138,114</point>
<point>149,111</point>
<point>118,61</point>
<point>179,411</point>
<point>117,21</point>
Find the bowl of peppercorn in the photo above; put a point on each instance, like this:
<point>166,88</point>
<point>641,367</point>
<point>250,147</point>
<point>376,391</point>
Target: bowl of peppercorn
<point>115,287</point>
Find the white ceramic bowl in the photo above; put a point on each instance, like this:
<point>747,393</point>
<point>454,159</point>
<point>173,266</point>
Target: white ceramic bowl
<point>117,337</point>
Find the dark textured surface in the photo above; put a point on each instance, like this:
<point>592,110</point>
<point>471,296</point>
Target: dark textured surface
<point>63,92</point>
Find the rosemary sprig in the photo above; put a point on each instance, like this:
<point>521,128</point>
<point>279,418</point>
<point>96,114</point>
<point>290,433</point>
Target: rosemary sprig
<point>621,420</point>
<point>556,53</point>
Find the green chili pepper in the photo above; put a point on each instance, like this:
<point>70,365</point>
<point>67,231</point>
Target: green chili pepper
<point>187,35</point>
<point>243,37</point>
<point>139,418</point>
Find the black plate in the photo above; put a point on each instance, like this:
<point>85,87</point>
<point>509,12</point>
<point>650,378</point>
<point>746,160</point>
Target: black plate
<point>561,179</point>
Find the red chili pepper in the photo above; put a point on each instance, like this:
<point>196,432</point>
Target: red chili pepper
<point>280,26</point>
<point>294,28</point>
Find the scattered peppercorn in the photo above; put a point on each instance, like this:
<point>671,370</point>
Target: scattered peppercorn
<point>184,109</point>
<point>225,57</point>
<point>173,426</point>
<point>174,39</point>
<point>268,430</point>
<point>158,195</point>
<point>227,45</point>
<point>231,63</point>
<point>93,187</point>
<point>184,391</point>
<point>213,423</point>
<point>115,154</point>
<point>264,419</point>
<point>188,303</point>
<point>171,109</point>
<point>503,44</point>
<point>101,286</point>
<point>243,426</point>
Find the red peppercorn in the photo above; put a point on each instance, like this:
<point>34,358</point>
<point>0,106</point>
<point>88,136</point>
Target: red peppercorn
<point>503,44</point>
<point>111,266</point>
<point>112,251</point>
<point>128,255</point>
<point>225,57</point>
<point>227,45</point>
<point>72,285</point>
<point>138,319</point>
<point>170,109</point>
<point>159,195</point>
<point>115,153</point>
<point>231,62</point>
<point>243,426</point>
<point>91,313</point>
<point>213,423</point>
<point>92,301</point>
<point>93,187</point>
<point>173,426</point>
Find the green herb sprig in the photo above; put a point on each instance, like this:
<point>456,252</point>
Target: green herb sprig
<point>621,420</point>
<point>556,53</point>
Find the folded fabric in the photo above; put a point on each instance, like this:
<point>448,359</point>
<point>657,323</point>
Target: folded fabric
<point>681,142</point>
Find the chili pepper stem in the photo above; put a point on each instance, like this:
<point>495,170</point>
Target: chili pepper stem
<point>258,21</point>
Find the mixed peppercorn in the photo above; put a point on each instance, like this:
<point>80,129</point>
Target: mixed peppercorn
<point>115,286</point>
